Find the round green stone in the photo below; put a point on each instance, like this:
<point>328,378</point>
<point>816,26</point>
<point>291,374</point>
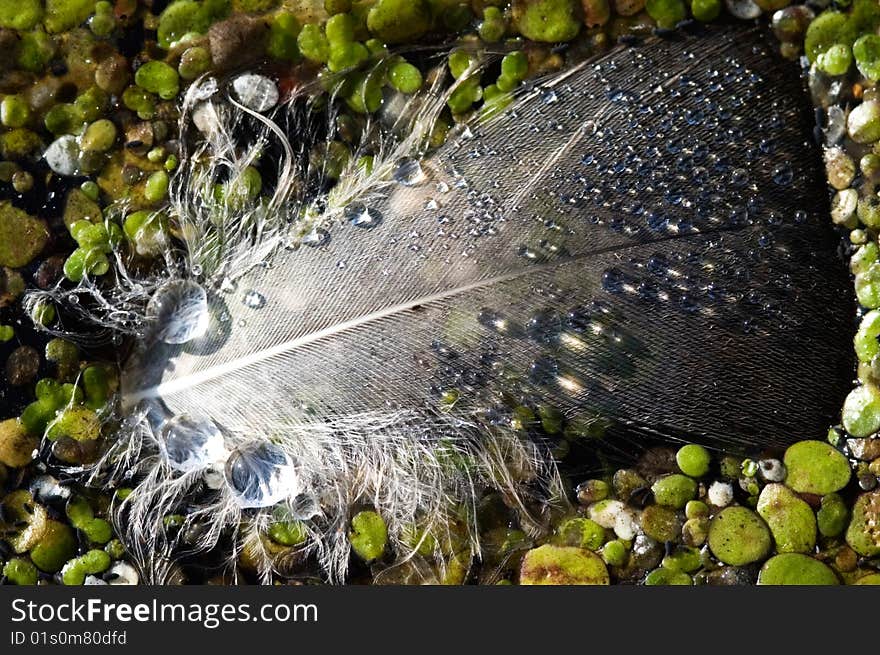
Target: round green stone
<point>861,411</point>
<point>796,569</point>
<point>815,467</point>
<point>674,490</point>
<point>562,565</point>
<point>738,536</point>
<point>693,460</point>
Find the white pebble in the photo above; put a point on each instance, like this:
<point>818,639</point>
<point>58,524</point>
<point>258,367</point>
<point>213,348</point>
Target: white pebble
<point>256,92</point>
<point>772,470</point>
<point>625,525</point>
<point>720,494</point>
<point>62,155</point>
<point>93,581</point>
<point>605,512</point>
<point>123,573</point>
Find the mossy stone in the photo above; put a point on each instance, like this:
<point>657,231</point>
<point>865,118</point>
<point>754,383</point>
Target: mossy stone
<point>562,565</point>
<point>674,490</point>
<point>796,569</point>
<point>825,31</point>
<point>738,536</point>
<point>580,532</point>
<point>863,533</point>
<point>548,21</point>
<point>62,15</point>
<point>661,523</point>
<point>790,519</point>
<point>20,14</point>
<point>863,122</point>
<point>79,207</point>
<point>16,444</point>
<point>22,237</point>
<point>832,515</point>
<point>56,547</point>
<point>870,579</point>
<point>663,576</point>
<point>20,143</point>
<point>368,536</point>
<point>816,467</point>
<point>398,21</point>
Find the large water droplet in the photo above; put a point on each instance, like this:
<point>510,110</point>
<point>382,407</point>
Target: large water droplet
<point>190,444</point>
<point>261,474</point>
<point>254,299</point>
<point>359,215</point>
<point>408,172</point>
<point>179,309</point>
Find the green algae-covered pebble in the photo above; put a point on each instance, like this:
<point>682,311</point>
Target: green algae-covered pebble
<point>288,533</point>
<point>405,77</point>
<point>832,515</point>
<point>693,460</point>
<point>836,60</point>
<point>368,536</point>
<point>62,15</point>
<point>661,523</point>
<point>861,411</point>
<point>159,78</point>
<point>866,343</point>
<point>98,531</point>
<point>664,576</point>
<point>16,444</point>
<point>91,563</point>
<point>283,30</point>
<point>863,122</point>
<point>870,579</point>
<point>99,136</point>
<point>580,532</point>
<point>178,19</point>
<point>14,111</point>
<point>674,490</point>
<point>156,187</point>
<point>866,51</point>
<point>313,44</point>
<point>57,545</point>
<point>815,467</point>
<point>867,285</point>
<point>398,21</point>
<point>863,532</point>
<point>738,536</point>
<point>22,237</point>
<point>77,423</point>
<point>667,13</point>
<point>705,10</point>
<point>795,569</point>
<point>20,14</point>
<point>562,565</point>
<point>615,553</point>
<point>790,519</point>
<point>825,31</point>
<point>683,558</point>
<point>20,572</point>
<point>549,21</point>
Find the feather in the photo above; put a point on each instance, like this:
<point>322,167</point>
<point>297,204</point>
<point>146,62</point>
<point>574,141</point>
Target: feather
<point>642,239</point>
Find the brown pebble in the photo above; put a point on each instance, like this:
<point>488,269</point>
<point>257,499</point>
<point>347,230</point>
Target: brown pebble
<point>864,449</point>
<point>237,41</point>
<point>11,286</point>
<point>846,559</point>
<point>22,366</point>
<point>49,272</point>
<point>112,74</point>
